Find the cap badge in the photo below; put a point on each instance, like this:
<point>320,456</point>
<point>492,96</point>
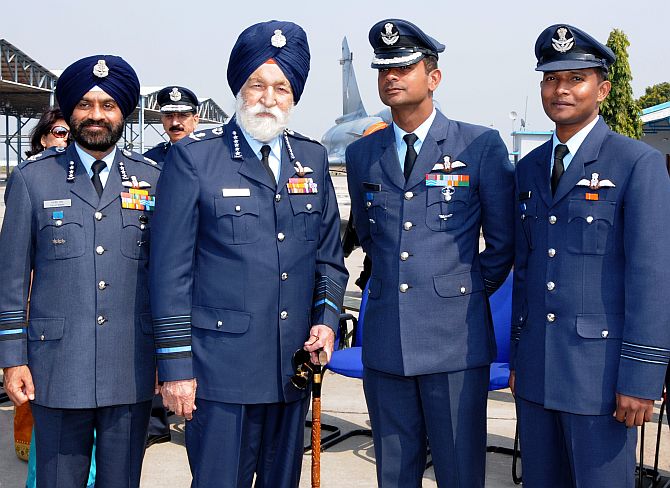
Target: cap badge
<point>388,36</point>
<point>278,40</point>
<point>101,70</point>
<point>562,45</point>
<point>175,95</point>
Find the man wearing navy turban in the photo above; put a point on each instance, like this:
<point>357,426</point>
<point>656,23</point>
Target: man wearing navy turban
<point>78,220</point>
<point>248,268</point>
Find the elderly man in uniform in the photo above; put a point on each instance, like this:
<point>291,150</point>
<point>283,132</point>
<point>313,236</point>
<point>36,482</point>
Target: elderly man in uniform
<point>421,190</point>
<point>590,329</point>
<point>79,219</point>
<point>179,116</point>
<point>247,268</point>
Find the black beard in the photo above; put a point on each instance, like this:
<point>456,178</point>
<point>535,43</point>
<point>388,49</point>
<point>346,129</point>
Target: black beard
<point>96,142</point>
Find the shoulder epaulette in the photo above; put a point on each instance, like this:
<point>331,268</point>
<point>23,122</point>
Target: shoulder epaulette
<point>300,136</point>
<point>204,135</point>
<point>47,153</point>
<point>139,158</point>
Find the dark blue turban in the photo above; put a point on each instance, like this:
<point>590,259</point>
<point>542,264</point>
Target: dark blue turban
<point>111,73</point>
<point>285,42</point>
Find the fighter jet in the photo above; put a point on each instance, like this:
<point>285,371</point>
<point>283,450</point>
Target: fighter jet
<point>355,120</point>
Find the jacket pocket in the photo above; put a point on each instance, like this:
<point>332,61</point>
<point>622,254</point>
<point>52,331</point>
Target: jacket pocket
<point>600,326</point>
<point>48,329</point>
<point>446,208</point>
<point>376,208</point>
<point>62,237</point>
<point>458,284</point>
<point>238,219</point>
<point>135,234</point>
<point>590,225</point>
<point>306,216</point>
<point>220,320</point>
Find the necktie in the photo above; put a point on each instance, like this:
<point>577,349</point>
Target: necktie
<point>265,152</point>
<point>97,168</point>
<point>556,173</point>
<point>410,155</point>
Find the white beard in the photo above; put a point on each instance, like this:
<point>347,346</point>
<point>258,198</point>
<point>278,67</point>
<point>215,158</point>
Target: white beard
<point>263,129</point>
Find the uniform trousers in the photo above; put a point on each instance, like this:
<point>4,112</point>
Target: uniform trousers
<point>64,440</point>
<point>561,449</point>
<point>445,410</point>
<point>227,443</point>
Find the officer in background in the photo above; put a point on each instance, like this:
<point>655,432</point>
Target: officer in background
<point>247,268</point>
<point>590,329</point>
<point>79,219</point>
<point>179,116</point>
<point>421,190</point>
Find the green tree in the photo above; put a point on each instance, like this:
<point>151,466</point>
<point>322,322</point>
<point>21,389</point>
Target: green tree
<point>620,110</point>
<point>655,95</point>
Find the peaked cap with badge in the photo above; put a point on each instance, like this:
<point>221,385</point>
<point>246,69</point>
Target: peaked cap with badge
<point>284,42</point>
<point>177,99</point>
<point>562,47</point>
<point>398,42</point>
<point>112,74</point>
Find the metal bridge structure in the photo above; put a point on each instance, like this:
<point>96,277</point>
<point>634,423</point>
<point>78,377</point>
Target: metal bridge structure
<point>27,89</point>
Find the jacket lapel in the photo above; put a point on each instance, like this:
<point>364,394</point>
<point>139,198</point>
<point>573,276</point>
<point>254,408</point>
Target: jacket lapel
<point>287,169</point>
<point>431,151</point>
<point>251,166</point>
<point>389,159</point>
<point>82,185</point>
<point>113,187</point>
<point>543,179</point>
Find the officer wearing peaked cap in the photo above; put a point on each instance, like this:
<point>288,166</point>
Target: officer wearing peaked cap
<point>79,220</point>
<point>421,190</point>
<point>179,116</point>
<point>247,268</point>
<point>590,329</point>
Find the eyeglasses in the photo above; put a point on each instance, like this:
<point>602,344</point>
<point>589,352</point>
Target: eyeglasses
<point>59,132</point>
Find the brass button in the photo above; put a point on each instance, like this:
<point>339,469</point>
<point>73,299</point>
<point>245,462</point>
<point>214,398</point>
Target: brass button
<point>219,323</point>
<point>604,334</point>
<point>284,276</point>
<point>589,219</point>
<point>102,285</point>
<point>59,223</point>
<point>98,215</point>
<point>551,285</point>
<point>551,252</point>
<point>238,208</point>
<point>404,256</point>
<point>407,225</point>
<point>463,290</point>
<point>101,320</point>
<point>143,227</point>
<point>283,315</point>
<point>552,219</point>
<point>277,197</point>
<point>368,204</point>
<point>409,195</point>
<point>404,287</point>
<point>99,250</point>
<point>281,236</point>
<point>551,317</point>
<point>42,337</point>
<point>308,206</point>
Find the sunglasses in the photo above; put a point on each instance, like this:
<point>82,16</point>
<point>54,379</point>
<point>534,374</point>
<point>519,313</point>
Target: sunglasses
<point>59,132</point>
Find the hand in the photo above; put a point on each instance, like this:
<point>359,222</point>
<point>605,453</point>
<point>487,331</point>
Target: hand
<point>512,379</point>
<point>18,383</point>
<point>633,410</point>
<point>320,337</point>
<point>179,397</point>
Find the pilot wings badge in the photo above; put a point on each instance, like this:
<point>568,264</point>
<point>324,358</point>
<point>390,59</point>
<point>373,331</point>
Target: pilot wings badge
<point>447,165</point>
<point>595,183</point>
<point>562,44</point>
<point>302,170</point>
<point>389,36</point>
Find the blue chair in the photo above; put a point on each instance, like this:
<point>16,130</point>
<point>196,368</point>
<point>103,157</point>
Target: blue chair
<point>501,314</point>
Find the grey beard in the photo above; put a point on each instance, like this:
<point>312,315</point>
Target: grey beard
<point>263,129</point>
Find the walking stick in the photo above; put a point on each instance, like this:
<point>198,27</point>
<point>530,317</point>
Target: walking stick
<point>317,379</point>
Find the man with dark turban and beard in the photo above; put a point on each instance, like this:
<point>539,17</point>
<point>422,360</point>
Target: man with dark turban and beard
<point>246,268</point>
<point>78,218</point>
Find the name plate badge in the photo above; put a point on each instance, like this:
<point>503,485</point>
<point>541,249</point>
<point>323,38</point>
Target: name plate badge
<point>236,192</point>
<point>57,203</point>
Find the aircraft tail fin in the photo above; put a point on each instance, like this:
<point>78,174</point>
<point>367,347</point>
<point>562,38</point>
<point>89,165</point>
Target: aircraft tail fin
<point>352,104</point>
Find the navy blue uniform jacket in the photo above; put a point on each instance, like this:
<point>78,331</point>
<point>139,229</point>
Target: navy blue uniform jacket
<point>89,261</point>
<point>590,306</point>
<point>427,309</point>
<point>240,268</point>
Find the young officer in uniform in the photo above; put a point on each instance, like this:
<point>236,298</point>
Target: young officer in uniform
<point>79,219</point>
<point>421,191</point>
<point>179,116</point>
<point>247,268</point>
<point>590,329</point>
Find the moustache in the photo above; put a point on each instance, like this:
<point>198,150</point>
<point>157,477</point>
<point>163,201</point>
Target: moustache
<point>91,122</point>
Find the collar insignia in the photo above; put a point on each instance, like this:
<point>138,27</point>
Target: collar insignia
<point>562,44</point>
<point>278,40</point>
<point>447,165</point>
<point>595,183</point>
<point>389,36</point>
<point>101,70</point>
<point>175,94</point>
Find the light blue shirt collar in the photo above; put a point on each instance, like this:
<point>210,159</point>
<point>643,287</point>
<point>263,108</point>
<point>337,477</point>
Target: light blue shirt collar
<point>573,144</point>
<point>275,151</point>
<point>87,160</point>
<point>421,132</point>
